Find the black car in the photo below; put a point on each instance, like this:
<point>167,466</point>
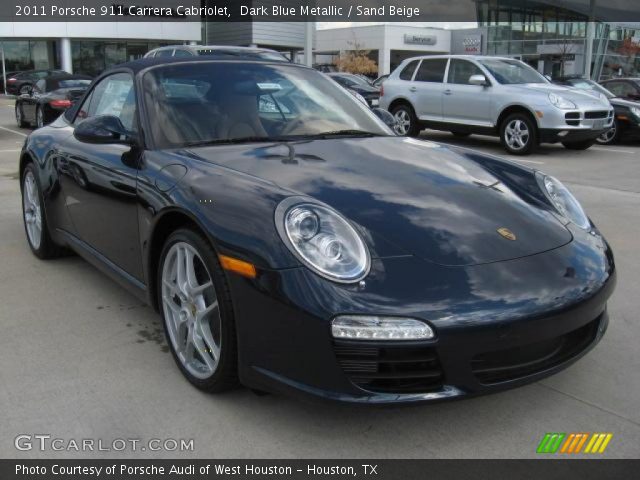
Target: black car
<point>627,88</point>
<point>292,243</point>
<point>48,98</point>
<point>626,121</point>
<point>23,82</point>
<point>379,81</point>
<point>6,75</point>
<point>358,84</point>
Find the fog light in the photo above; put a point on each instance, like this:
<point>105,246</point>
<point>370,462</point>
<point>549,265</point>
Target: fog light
<point>563,133</point>
<point>357,327</point>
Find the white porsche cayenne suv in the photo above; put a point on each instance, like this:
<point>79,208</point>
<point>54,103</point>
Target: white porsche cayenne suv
<point>492,96</point>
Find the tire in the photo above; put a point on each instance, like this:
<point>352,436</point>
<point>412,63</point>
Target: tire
<point>34,218</point>
<point>611,136</point>
<point>460,134</point>
<point>40,117</point>
<point>26,88</point>
<point>203,345</point>
<point>583,145</point>
<point>407,122</point>
<point>519,134</point>
<point>22,123</point>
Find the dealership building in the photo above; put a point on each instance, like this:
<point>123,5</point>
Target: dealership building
<point>86,47</point>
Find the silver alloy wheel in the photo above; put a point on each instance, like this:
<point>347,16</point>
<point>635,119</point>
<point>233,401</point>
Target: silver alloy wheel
<point>403,122</point>
<point>24,89</point>
<point>39,118</point>
<point>517,134</point>
<point>609,135</point>
<point>32,212</point>
<point>191,310</point>
<point>19,115</point>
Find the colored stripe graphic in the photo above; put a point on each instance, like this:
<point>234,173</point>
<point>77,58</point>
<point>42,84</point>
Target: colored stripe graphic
<point>572,443</point>
<point>550,443</point>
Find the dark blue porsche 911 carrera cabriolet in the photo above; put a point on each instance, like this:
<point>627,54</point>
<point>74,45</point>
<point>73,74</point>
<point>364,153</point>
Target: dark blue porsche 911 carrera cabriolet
<point>291,242</point>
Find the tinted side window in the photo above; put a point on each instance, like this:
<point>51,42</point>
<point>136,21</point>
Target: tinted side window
<point>181,53</point>
<point>407,72</point>
<point>114,95</point>
<point>432,70</point>
<point>164,53</point>
<point>461,70</point>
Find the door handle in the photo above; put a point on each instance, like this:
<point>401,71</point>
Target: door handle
<point>447,92</point>
<point>412,89</point>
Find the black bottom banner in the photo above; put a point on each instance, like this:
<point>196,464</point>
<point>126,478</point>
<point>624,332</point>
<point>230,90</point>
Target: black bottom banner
<point>542,469</point>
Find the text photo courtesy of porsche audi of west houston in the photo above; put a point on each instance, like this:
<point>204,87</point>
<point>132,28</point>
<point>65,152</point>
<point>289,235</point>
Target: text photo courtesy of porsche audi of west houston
<point>319,238</point>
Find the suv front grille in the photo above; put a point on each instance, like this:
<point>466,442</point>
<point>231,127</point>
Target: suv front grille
<point>390,368</point>
<point>513,363</point>
<point>597,114</point>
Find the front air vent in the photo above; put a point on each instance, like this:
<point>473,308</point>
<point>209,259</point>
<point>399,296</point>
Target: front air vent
<point>393,368</point>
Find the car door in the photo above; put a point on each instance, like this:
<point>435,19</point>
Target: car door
<point>428,87</point>
<point>99,180</point>
<point>462,102</point>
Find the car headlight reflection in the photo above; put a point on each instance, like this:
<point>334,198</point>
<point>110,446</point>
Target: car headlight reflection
<point>635,111</point>
<point>323,240</point>
<point>563,200</point>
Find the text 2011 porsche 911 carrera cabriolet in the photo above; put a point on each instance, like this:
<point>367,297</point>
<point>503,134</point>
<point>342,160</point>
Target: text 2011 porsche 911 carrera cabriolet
<point>291,242</point>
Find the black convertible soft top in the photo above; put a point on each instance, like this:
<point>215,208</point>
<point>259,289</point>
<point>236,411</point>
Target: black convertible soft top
<point>231,55</point>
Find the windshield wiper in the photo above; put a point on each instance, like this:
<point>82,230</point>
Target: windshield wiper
<point>345,133</point>
<point>227,141</point>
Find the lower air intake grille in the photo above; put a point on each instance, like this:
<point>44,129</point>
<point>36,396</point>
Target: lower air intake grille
<point>390,368</point>
<point>513,363</point>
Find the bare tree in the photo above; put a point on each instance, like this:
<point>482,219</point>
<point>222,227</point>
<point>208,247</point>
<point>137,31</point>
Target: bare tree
<point>356,60</point>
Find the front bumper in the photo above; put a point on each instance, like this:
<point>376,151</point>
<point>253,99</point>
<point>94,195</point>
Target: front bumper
<point>574,125</point>
<point>497,325</point>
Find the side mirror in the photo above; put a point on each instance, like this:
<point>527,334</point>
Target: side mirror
<point>102,129</point>
<point>479,80</point>
<point>388,119</point>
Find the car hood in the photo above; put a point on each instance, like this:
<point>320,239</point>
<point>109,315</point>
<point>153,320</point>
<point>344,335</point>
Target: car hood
<point>423,197</point>
<point>581,98</point>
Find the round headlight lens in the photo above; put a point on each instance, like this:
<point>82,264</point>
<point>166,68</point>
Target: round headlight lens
<point>563,200</point>
<point>561,102</point>
<point>324,241</point>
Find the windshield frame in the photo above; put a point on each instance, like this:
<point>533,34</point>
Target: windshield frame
<point>150,142</point>
<point>528,68</point>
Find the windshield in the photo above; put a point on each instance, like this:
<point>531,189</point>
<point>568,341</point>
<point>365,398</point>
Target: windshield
<point>583,84</point>
<point>218,102</point>
<point>511,72</point>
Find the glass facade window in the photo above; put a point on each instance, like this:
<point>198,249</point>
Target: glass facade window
<point>91,57</point>
<point>29,55</point>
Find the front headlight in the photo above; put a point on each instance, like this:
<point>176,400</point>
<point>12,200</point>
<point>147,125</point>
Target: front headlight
<point>561,102</point>
<point>323,240</point>
<point>635,111</point>
<point>563,200</point>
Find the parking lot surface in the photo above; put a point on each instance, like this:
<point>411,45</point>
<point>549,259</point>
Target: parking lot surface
<point>82,358</point>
